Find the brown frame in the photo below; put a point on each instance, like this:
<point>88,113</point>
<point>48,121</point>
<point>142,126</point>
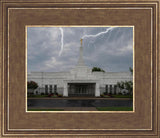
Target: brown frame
<point>16,14</point>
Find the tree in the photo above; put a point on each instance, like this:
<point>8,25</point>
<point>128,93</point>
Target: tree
<point>131,70</point>
<point>121,85</point>
<point>97,69</point>
<point>32,85</point>
<point>128,85</point>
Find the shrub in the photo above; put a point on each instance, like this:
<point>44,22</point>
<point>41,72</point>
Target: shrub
<point>107,96</point>
<point>105,93</point>
<point>32,85</point>
<point>54,96</point>
<point>102,95</point>
<point>120,93</point>
<point>50,95</point>
<point>32,93</point>
<point>60,95</point>
<point>109,93</point>
<point>56,93</point>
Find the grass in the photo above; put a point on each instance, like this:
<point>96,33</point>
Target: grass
<point>114,108</point>
<point>45,109</point>
<point>122,96</point>
<point>106,96</point>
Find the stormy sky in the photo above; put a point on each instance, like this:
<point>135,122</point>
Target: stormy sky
<point>110,50</point>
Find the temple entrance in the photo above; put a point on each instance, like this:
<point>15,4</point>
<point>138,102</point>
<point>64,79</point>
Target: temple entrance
<point>81,89</point>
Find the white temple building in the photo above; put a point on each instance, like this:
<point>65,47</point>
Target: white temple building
<point>79,81</point>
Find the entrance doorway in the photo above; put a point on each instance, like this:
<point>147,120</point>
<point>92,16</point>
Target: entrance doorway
<point>81,89</point>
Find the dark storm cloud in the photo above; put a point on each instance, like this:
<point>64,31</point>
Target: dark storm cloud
<point>112,51</point>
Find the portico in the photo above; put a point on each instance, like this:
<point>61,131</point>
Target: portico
<point>81,88</point>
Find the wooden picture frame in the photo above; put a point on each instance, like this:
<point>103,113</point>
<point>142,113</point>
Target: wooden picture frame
<point>143,15</point>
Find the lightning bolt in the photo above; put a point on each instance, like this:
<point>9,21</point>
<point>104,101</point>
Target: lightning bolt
<point>85,36</point>
<point>61,30</point>
<point>96,35</point>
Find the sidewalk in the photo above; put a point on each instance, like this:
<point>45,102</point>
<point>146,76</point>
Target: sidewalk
<point>80,109</point>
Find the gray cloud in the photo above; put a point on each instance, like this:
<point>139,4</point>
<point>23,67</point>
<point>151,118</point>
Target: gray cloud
<point>112,51</point>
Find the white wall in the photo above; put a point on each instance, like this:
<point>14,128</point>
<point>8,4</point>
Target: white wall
<point>58,78</point>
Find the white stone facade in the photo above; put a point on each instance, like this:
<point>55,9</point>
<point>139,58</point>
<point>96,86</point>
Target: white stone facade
<point>81,74</point>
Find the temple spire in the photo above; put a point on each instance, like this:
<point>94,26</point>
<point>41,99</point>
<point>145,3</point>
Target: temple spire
<point>81,41</point>
<point>81,61</point>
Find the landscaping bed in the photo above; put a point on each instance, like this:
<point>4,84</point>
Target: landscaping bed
<point>116,96</point>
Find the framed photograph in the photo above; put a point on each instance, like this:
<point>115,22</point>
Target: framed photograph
<point>69,70</point>
<point>79,68</point>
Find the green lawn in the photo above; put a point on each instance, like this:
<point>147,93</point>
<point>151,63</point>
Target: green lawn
<point>122,96</point>
<point>45,109</point>
<point>114,108</point>
<point>106,96</point>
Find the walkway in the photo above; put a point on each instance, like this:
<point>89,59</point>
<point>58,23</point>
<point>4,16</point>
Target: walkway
<point>80,109</point>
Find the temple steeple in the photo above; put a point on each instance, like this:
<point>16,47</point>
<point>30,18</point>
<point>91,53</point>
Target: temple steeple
<point>81,41</point>
<point>81,61</point>
<point>80,70</point>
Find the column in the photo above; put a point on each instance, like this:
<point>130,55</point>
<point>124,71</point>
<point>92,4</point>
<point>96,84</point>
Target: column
<point>65,91</point>
<point>106,89</point>
<point>110,89</point>
<point>97,90</point>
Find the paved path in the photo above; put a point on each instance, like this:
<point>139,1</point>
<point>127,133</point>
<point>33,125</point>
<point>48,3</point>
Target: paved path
<point>80,109</point>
